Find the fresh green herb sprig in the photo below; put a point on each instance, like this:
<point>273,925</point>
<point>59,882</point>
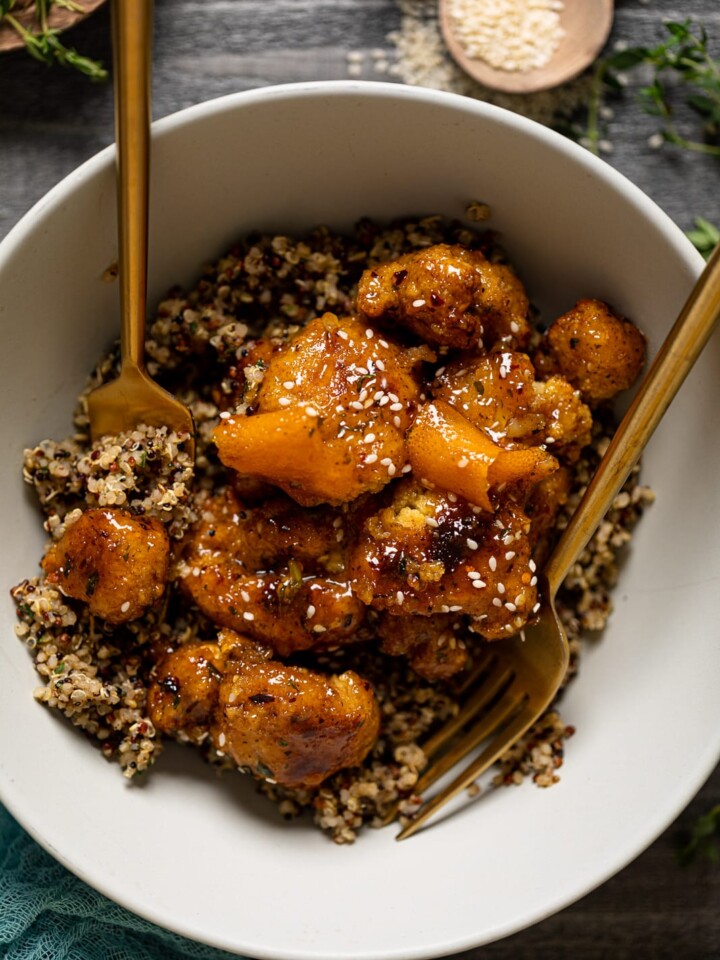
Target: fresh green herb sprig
<point>682,60</point>
<point>705,236</point>
<point>45,44</point>
<point>703,840</point>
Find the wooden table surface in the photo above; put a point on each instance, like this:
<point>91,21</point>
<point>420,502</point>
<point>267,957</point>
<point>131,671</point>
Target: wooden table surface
<point>51,120</point>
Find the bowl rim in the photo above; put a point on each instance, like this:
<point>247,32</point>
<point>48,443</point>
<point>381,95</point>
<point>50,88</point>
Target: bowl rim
<point>597,168</point>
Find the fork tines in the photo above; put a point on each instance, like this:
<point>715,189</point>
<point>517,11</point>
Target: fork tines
<point>495,704</point>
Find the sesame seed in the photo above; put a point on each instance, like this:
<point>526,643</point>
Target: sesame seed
<point>406,469</point>
<point>418,303</point>
<point>339,408</point>
<point>392,470</point>
<point>363,396</point>
<point>356,405</point>
<point>339,536</point>
<point>289,384</point>
<point>536,607</point>
<point>431,522</point>
<point>383,400</point>
<point>549,439</point>
<point>248,616</point>
<point>221,740</point>
<point>383,343</point>
<point>397,422</point>
<point>245,595</point>
<point>532,565</point>
<point>444,608</point>
<point>371,458</point>
<point>284,401</point>
<point>224,415</point>
<point>440,371</point>
<point>497,602</point>
<point>125,607</point>
<point>311,412</point>
<point>396,407</point>
<point>519,598</point>
<point>310,612</point>
<point>342,334</point>
<point>337,522</point>
<point>501,588</point>
<point>319,628</point>
<point>479,584</point>
<point>492,563</point>
<point>400,596</point>
<point>369,333</point>
<point>472,544</point>
<point>452,498</point>
<point>463,462</point>
<point>455,608</point>
<point>514,327</point>
<point>510,554</point>
<point>378,395</point>
<point>369,437</point>
<point>380,365</point>
<point>511,607</point>
<point>533,582</point>
<point>386,461</point>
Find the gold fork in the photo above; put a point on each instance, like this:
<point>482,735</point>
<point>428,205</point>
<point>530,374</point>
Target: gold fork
<point>134,398</point>
<point>519,678</point>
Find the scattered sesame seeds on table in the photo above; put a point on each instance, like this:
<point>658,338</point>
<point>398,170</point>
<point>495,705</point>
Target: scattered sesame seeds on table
<point>53,120</point>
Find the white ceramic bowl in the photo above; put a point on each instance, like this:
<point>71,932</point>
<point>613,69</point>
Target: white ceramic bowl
<point>208,858</point>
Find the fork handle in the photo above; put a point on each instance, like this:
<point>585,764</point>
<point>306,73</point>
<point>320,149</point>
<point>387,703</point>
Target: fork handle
<point>671,365</point>
<point>132,46</point>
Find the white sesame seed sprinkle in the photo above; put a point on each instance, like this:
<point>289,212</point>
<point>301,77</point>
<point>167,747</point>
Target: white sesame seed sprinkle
<point>472,544</point>
<point>342,334</point>
<point>533,582</point>
<point>125,607</point>
<point>383,343</point>
<point>452,498</point>
<point>221,740</point>
<point>479,584</point>
<point>380,365</point>
<point>386,461</point>
<point>392,470</point>
<point>492,563</point>
<point>310,612</point>
<point>369,333</point>
<point>319,628</point>
<point>396,407</point>
<point>284,401</point>
<point>289,384</point>
<point>248,616</point>
<point>509,555</point>
<point>311,412</point>
<point>369,437</point>
<point>245,595</point>
<point>536,607</point>
<point>431,522</point>
<point>224,415</point>
<point>356,405</point>
<point>371,458</point>
<point>532,565</point>
<point>497,602</point>
<point>383,400</point>
<point>510,606</point>
<point>406,469</point>
<point>418,303</point>
<point>514,327</point>
<point>400,596</point>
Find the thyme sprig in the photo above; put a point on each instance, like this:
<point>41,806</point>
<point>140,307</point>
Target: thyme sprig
<point>44,43</point>
<point>682,60</point>
<point>703,839</point>
<point>705,236</point>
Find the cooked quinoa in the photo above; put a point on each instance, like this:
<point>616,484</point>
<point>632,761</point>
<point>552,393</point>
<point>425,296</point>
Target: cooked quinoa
<point>97,674</point>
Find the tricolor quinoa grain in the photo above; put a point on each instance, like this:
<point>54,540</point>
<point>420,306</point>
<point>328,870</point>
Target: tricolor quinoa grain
<point>98,674</point>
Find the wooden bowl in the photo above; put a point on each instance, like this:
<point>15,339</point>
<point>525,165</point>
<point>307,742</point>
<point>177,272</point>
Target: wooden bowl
<point>58,19</point>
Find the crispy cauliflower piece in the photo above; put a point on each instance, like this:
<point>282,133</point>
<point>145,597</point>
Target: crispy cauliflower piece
<point>331,414</point>
<point>432,644</point>
<point>113,561</point>
<point>425,552</point>
<point>450,296</point>
<point>598,351</point>
<point>287,724</point>
<point>274,571</point>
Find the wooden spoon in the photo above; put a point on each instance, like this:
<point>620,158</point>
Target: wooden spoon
<point>586,24</point>
<point>133,398</point>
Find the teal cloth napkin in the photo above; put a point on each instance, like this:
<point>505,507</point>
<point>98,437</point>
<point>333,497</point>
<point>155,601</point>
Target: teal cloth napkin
<point>46,913</point>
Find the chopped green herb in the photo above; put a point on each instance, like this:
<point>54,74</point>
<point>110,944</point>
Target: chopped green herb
<point>92,583</point>
<point>264,771</point>
<point>44,44</point>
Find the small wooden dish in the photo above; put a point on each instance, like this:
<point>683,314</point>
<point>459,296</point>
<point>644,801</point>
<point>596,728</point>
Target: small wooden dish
<point>59,19</point>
